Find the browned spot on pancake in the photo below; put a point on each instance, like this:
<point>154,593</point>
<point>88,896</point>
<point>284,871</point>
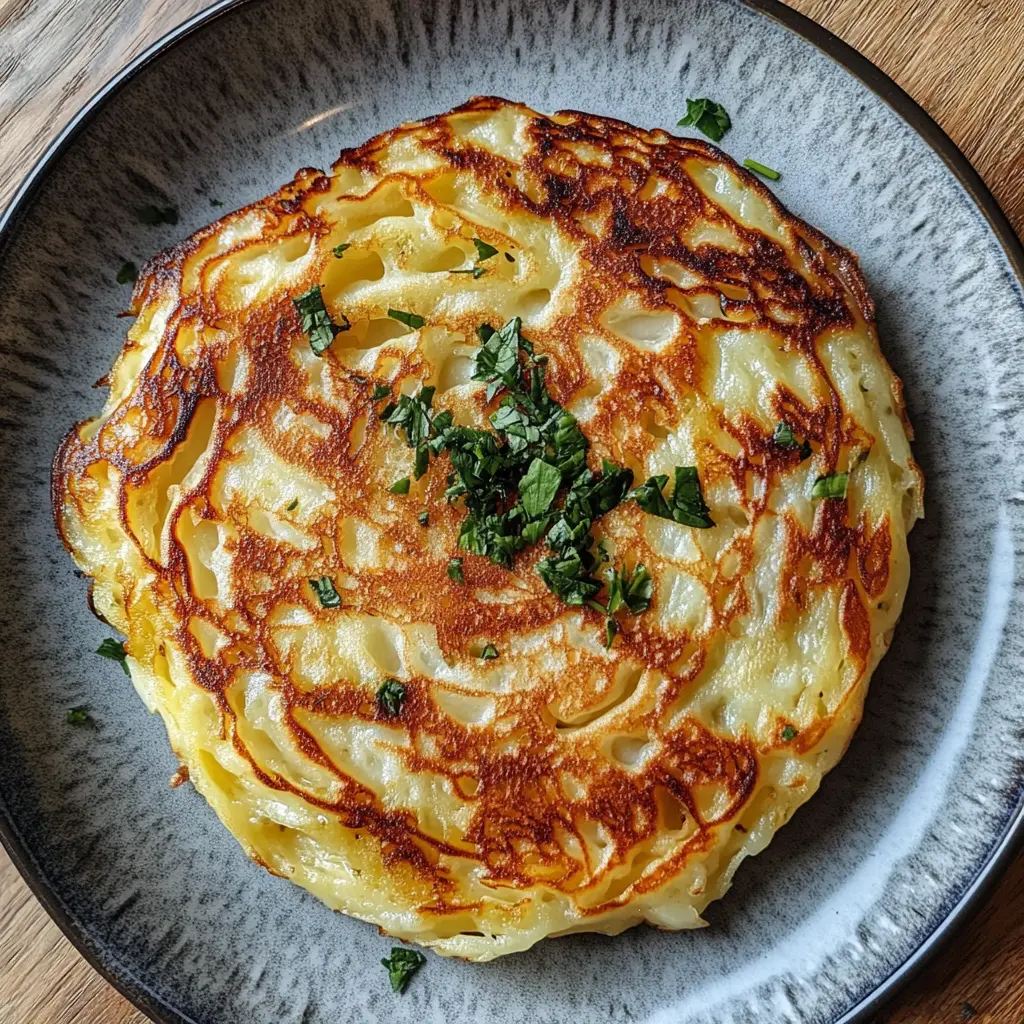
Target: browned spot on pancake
<point>856,626</point>
<point>874,548</point>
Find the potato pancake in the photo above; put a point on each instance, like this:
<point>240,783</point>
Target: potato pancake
<point>506,525</point>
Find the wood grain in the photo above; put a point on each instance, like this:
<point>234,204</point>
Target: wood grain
<point>963,60</point>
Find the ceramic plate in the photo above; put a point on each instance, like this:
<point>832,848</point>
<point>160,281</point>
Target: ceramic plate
<point>904,834</point>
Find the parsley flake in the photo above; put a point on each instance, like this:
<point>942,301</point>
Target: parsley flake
<point>316,321</point>
<point>708,117</point>
<point>339,250</point>
<point>325,592</point>
<point>538,488</point>
<point>832,485</point>
<point>783,436</point>
<point>631,591</point>
<point>477,272</point>
<point>400,486</point>
<point>128,274</point>
<point>412,320</point>
<point>216,202</point>
<point>686,505</point>
<point>424,519</point>
<point>114,650</point>
<point>402,965</point>
<point>761,169</point>
<point>489,653</point>
<point>150,214</point>
<point>611,627</point>
<point>390,697</point>
<point>379,392</point>
<point>483,250</point>
<point>293,505</point>
<point>788,733</point>
<point>79,715</point>
<point>455,570</point>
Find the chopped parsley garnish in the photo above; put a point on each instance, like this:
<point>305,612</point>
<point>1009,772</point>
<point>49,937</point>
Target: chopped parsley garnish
<point>400,486</point>
<point>424,518</point>
<point>128,274</point>
<point>114,650</point>
<point>489,652</point>
<point>629,590</point>
<point>379,392</point>
<point>788,733</point>
<point>293,506</point>
<point>78,716</point>
<point>477,272</point>
<point>761,169</point>
<point>216,202</point>
<point>412,320</point>
<point>686,505</point>
<point>338,250</point>
<point>832,485</point>
<point>324,590</point>
<point>527,480</point>
<point>611,627</point>
<point>316,321</point>
<point>483,250</point>
<point>150,214</point>
<point>708,117</point>
<point>783,436</point>
<point>391,696</point>
<point>402,965</point>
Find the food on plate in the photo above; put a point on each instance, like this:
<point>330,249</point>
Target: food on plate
<point>506,525</point>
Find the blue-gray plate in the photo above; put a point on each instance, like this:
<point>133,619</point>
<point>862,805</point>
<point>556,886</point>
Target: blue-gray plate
<point>904,836</point>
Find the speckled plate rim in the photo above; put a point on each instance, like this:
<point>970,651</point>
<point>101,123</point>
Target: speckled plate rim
<point>1011,841</point>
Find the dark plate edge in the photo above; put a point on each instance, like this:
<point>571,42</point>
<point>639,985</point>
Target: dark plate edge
<point>1012,839</point>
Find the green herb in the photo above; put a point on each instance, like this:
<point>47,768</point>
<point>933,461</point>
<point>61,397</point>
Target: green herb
<point>339,249</point>
<point>216,202</point>
<point>686,505</point>
<point>412,415</point>
<point>568,577</point>
<point>510,257</point>
<point>316,321</point>
<point>767,172</point>
<point>611,627</point>
<point>79,715</point>
<point>832,485</point>
<point>788,733</point>
<point>324,590</point>
<point>402,965</point>
<point>422,461</point>
<point>293,506</point>
<point>707,117</point>
<point>477,272</point>
<point>784,438</point>
<point>150,214</point>
<point>483,250</point>
<point>128,274</point>
<point>424,518</point>
<point>538,487</point>
<point>379,392</point>
<point>114,650</point>
<point>489,652</point>
<point>409,319</point>
<point>629,590</point>
<point>391,696</point>
<point>455,570</point>
<point>400,486</point>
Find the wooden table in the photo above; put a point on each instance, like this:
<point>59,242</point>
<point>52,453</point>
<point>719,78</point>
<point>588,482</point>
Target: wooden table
<point>962,59</point>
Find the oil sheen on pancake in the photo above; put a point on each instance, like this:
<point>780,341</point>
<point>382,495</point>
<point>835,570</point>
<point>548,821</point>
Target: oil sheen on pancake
<point>562,786</point>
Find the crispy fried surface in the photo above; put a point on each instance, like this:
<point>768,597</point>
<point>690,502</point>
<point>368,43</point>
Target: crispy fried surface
<point>561,787</point>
